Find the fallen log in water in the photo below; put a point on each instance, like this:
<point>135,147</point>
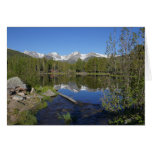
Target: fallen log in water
<point>74,101</point>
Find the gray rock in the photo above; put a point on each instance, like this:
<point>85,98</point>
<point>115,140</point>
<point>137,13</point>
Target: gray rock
<point>57,87</point>
<point>17,98</point>
<point>128,121</point>
<point>21,94</point>
<point>49,93</point>
<point>15,82</point>
<point>29,97</point>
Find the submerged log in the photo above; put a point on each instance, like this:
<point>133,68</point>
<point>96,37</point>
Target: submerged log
<point>72,100</point>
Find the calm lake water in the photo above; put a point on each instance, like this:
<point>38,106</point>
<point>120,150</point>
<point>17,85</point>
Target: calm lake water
<point>89,91</point>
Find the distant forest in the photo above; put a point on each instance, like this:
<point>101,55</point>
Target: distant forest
<point>125,57</point>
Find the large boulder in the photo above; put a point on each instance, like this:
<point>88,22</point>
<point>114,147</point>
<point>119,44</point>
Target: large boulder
<point>15,82</point>
<point>49,93</point>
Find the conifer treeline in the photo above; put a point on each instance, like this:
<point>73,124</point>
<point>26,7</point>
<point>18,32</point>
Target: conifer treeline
<point>125,57</point>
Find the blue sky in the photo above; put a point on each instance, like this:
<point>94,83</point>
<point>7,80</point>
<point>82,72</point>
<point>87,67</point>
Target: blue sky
<point>62,40</point>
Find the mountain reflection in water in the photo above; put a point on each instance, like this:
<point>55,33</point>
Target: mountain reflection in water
<point>82,94</point>
<point>88,91</point>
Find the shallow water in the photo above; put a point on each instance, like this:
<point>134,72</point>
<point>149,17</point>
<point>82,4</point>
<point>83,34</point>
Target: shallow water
<point>81,114</point>
<point>88,111</point>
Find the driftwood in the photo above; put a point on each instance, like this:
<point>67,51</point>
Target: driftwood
<point>72,100</point>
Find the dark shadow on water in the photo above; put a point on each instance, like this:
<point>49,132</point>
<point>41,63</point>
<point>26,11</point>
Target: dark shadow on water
<point>81,113</point>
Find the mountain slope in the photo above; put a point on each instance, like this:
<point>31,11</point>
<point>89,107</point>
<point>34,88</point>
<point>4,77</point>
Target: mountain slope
<point>11,53</point>
<point>71,58</point>
<point>34,54</point>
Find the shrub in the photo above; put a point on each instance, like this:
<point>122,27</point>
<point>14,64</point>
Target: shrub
<point>27,118</point>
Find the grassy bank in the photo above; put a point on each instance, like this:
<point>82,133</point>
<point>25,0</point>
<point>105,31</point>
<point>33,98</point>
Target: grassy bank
<point>40,90</point>
<point>28,117</point>
<point>24,112</point>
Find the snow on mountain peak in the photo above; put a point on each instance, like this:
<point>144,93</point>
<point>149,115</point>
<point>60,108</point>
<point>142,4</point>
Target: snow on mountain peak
<point>83,56</point>
<point>40,55</point>
<point>69,58</point>
<point>75,53</point>
<point>34,54</point>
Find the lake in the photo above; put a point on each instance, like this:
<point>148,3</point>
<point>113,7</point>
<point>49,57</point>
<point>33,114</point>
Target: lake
<point>89,91</point>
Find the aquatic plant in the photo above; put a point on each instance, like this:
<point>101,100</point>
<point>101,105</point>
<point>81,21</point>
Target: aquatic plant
<point>66,117</point>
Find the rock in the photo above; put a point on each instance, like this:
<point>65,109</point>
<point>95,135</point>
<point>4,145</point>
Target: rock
<point>49,93</point>
<point>17,98</point>
<point>14,105</point>
<point>39,96</point>
<point>19,89</point>
<point>128,121</point>
<point>21,94</point>
<point>32,91</point>
<point>28,97</point>
<point>11,91</point>
<point>15,82</point>
<point>57,87</point>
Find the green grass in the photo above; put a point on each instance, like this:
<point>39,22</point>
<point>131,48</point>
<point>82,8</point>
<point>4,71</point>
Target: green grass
<point>41,90</point>
<point>66,117</point>
<point>130,119</point>
<point>38,107</point>
<point>46,98</point>
<point>16,111</point>
<point>28,117</point>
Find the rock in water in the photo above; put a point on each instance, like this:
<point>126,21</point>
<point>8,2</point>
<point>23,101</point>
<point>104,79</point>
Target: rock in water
<point>15,82</point>
<point>49,93</point>
<point>57,87</point>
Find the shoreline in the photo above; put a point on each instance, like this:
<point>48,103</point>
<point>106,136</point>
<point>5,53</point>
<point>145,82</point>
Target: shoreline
<point>23,107</point>
<point>89,74</point>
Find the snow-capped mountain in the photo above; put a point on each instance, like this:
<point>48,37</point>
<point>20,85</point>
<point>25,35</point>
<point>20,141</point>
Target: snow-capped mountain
<point>54,56</point>
<point>73,57</point>
<point>34,54</point>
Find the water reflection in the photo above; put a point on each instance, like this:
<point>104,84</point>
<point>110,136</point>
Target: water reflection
<point>74,88</point>
<point>82,82</point>
<point>89,91</point>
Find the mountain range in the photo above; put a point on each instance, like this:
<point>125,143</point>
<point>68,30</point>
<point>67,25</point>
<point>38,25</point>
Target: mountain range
<point>71,58</point>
